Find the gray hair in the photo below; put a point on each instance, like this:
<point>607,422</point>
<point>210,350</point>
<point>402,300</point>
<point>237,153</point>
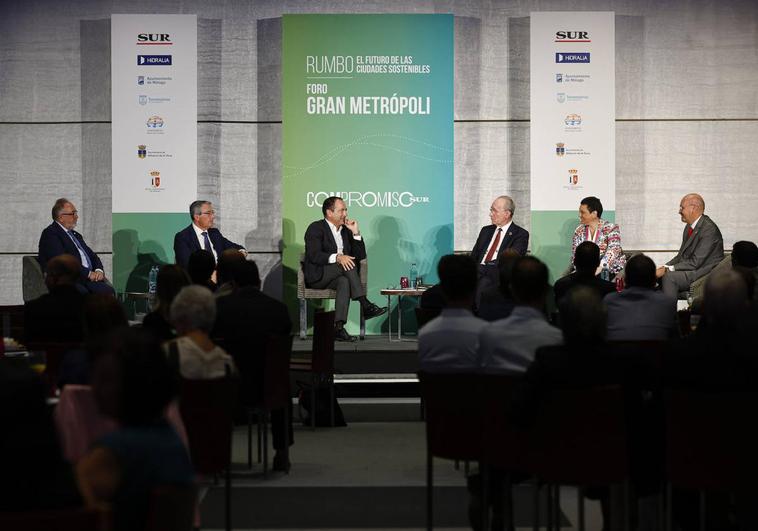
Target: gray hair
<point>58,207</point>
<point>194,308</point>
<point>196,208</point>
<point>509,204</point>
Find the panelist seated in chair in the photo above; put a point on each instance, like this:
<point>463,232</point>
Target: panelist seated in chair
<point>701,250</point>
<point>200,234</point>
<point>333,249</point>
<point>60,238</point>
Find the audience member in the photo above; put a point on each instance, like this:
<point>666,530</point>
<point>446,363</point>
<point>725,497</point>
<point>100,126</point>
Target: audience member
<point>35,475</point>
<point>102,314</point>
<point>744,255</point>
<point>433,299</point>
<point>201,269</point>
<point>509,344</point>
<point>586,261</point>
<point>133,383</point>
<point>497,301</point>
<point>171,279</point>
<point>228,260</point>
<point>245,320</point>
<point>450,342</point>
<point>193,313</point>
<point>640,313</point>
<point>57,315</point>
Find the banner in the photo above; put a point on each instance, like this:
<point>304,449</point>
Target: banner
<point>154,140</point>
<point>367,104</point>
<point>573,129</point>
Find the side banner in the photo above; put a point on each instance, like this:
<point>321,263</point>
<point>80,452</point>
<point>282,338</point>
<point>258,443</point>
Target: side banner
<point>573,130</point>
<point>154,136</point>
<point>367,104</point>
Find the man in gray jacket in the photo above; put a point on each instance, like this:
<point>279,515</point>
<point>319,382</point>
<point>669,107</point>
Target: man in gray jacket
<point>701,250</point>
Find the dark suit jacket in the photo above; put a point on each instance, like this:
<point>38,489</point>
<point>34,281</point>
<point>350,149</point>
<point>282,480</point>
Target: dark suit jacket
<point>516,238</point>
<point>185,243</point>
<point>54,241</point>
<point>244,320</point>
<point>320,245</point>
<point>700,252</point>
<point>55,316</point>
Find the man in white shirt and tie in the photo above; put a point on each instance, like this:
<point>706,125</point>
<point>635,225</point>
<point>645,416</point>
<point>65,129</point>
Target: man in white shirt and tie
<point>493,239</point>
<point>60,238</point>
<point>701,250</point>
<point>201,234</point>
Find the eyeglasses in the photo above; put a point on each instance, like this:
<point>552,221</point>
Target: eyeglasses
<point>74,213</point>
<point>209,213</point>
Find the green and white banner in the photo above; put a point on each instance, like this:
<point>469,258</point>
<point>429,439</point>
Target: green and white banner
<point>154,140</point>
<point>573,130</point>
<point>367,104</point>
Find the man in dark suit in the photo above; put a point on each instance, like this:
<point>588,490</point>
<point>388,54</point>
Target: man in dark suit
<point>60,238</point>
<point>201,234</point>
<point>57,315</point>
<point>494,239</point>
<point>701,250</point>
<point>333,251</point>
<point>245,319</point>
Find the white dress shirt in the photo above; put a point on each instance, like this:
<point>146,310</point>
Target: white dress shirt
<point>199,234</point>
<point>82,255</point>
<point>503,232</point>
<point>337,235</point>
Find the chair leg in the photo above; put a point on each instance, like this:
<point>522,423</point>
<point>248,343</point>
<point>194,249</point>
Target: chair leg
<point>702,510</point>
<point>260,443</point>
<point>580,507</point>
<point>303,318</point>
<point>536,506</point>
<point>228,492</point>
<point>264,430</point>
<point>250,438</point>
<point>313,405</point>
<point>287,437</point>
<point>668,506</point>
<point>429,491</point>
<point>331,403</point>
<point>549,507</point>
<point>485,477</point>
<point>557,507</point>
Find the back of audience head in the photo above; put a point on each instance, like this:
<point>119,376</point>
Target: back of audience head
<point>62,270</point>
<point>132,380</point>
<point>640,272</point>
<point>745,254</point>
<point>529,282</point>
<point>226,263</point>
<point>725,299</point>
<point>200,266</point>
<point>246,274</point>
<point>193,308</point>
<point>171,279</point>
<point>587,258</point>
<point>458,276</point>
<point>583,317</point>
<point>102,314</point>
<point>505,263</point>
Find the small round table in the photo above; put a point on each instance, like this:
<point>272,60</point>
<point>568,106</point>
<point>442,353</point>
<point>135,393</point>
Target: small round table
<point>399,293</point>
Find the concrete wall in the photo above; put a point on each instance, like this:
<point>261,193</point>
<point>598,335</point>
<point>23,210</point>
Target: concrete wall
<point>686,105</point>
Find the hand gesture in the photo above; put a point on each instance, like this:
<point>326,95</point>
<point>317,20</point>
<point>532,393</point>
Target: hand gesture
<point>660,271</point>
<point>352,225</point>
<point>347,262</point>
<point>96,276</point>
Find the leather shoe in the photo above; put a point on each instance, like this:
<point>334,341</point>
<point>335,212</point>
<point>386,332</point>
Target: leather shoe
<point>371,310</point>
<point>340,334</point>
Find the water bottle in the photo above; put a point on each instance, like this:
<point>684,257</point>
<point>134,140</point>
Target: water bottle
<point>152,280</point>
<point>605,274</point>
<point>413,276</point>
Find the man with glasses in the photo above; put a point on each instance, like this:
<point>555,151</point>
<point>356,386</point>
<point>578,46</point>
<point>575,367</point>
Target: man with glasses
<point>201,235</point>
<point>60,238</point>
<point>493,239</point>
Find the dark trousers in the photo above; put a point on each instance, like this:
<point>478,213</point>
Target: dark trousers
<point>347,284</point>
<point>279,428</point>
<point>489,277</point>
<point>674,282</point>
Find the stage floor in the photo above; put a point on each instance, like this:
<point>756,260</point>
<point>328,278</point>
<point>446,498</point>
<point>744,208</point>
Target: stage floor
<point>373,343</point>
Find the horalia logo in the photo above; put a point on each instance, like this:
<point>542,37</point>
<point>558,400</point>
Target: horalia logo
<point>368,199</point>
<point>575,57</point>
<point>154,60</point>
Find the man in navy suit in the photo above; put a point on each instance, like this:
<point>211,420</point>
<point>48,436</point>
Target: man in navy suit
<point>201,235</point>
<point>60,238</point>
<point>493,239</point>
<point>333,251</point>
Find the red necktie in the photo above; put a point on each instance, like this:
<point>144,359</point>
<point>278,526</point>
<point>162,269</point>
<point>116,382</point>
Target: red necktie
<point>493,247</point>
<point>690,230</point>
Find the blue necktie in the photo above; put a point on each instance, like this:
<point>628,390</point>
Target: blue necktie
<point>82,252</point>
<point>207,242</point>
